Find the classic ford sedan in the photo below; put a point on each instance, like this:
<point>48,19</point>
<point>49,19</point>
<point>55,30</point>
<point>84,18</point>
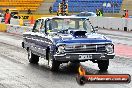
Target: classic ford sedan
<point>65,39</point>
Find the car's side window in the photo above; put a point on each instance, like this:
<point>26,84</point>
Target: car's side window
<point>42,26</point>
<point>37,25</point>
<point>48,26</point>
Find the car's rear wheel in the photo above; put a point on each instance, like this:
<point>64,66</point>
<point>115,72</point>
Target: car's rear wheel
<point>32,57</point>
<point>103,65</point>
<point>52,63</point>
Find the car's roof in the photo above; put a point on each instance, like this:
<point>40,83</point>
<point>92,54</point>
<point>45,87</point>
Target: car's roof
<point>45,17</point>
<point>62,17</point>
<point>70,17</point>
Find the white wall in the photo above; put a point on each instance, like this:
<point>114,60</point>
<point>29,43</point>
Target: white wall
<point>112,22</point>
<point>16,29</point>
<point>102,22</point>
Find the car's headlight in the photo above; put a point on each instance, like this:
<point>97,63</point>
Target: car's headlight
<point>61,49</point>
<point>110,48</point>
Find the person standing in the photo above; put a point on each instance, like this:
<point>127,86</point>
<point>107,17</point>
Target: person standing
<point>50,9</point>
<point>7,17</point>
<point>126,14</point>
<point>102,12</point>
<point>29,11</point>
<point>98,12</point>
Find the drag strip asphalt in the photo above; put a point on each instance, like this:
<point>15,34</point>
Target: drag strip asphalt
<point>16,72</point>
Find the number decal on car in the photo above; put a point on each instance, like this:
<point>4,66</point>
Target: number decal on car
<point>81,57</point>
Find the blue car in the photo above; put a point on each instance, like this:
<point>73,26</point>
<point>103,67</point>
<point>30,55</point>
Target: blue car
<point>64,39</point>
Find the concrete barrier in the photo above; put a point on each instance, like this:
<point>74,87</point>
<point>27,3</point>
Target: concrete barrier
<point>16,29</point>
<point>129,24</point>
<point>14,21</point>
<point>114,23</point>
<point>102,22</point>
<point>3,27</point>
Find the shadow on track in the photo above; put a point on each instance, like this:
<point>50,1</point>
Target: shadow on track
<point>68,69</point>
<point>67,72</point>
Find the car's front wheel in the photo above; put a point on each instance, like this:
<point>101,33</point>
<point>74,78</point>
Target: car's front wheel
<point>32,57</point>
<point>103,65</point>
<point>52,63</point>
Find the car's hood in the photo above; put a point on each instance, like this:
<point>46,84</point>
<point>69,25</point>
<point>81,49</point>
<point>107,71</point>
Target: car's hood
<point>89,38</point>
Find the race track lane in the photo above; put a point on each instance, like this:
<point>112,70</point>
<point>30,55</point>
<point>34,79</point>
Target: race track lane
<point>16,72</point>
<point>123,50</point>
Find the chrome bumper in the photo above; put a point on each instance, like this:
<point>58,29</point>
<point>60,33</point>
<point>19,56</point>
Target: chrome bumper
<point>83,56</point>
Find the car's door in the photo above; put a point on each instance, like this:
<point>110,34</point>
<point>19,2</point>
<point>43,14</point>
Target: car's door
<point>34,37</point>
<point>40,37</point>
<point>41,40</point>
<point>43,37</point>
<point>29,37</point>
<point>48,30</point>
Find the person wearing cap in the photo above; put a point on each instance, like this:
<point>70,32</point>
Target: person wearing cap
<point>7,17</point>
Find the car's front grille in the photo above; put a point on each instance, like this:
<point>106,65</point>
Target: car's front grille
<point>87,49</point>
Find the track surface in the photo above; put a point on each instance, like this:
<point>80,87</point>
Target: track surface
<point>16,72</point>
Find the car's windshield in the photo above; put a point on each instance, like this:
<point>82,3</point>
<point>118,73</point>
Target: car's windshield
<point>59,24</point>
